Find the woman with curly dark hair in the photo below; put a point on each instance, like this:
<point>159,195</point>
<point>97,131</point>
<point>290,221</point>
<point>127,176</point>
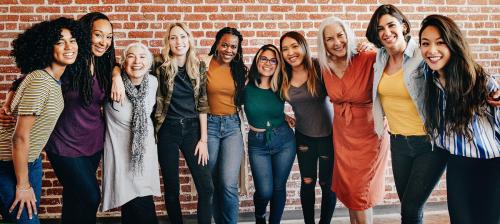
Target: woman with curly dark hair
<point>75,146</point>
<point>225,83</point>
<point>42,52</point>
<point>459,120</point>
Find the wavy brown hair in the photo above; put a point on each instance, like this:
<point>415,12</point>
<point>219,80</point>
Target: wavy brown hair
<point>465,83</point>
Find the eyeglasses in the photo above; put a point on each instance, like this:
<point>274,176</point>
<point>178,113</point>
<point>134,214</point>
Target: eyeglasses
<point>271,61</point>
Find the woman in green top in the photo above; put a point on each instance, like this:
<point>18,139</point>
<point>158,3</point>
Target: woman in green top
<point>271,142</point>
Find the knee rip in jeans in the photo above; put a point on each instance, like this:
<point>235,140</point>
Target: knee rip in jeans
<point>307,180</point>
<point>303,148</point>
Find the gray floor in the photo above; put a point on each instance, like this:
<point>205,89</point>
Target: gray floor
<point>435,213</point>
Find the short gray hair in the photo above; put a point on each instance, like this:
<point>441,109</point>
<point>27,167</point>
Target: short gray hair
<point>351,41</point>
<point>149,55</point>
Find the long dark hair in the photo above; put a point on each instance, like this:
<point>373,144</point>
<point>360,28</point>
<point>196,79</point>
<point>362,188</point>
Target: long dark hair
<point>103,66</point>
<point>465,83</point>
<point>238,68</point>
<point>312,77</point>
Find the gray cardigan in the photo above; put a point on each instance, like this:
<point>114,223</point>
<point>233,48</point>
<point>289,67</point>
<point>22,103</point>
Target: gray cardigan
<point>413,78</point>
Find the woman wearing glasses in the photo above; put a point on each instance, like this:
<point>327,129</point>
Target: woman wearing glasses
<point>271,143</point>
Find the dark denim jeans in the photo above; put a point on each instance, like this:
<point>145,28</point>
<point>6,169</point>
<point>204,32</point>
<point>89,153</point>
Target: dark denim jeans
<point>417,169</point>
<point>81,192</point>
<point>312,151</point>
<point>225,148</point>
<point>183,135</point>
<point>473,188</point>
<point>271,162</point>
<point>8,191</point>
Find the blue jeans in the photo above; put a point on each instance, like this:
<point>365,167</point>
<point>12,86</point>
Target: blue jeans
<point>417,169</point>
<point>225,148</point>
<point>8,190</point>
<point>271,162</point>
<point>81,193</point>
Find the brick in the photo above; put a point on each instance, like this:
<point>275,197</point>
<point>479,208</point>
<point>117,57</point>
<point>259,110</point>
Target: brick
<point>195,17</point>
<point>153,8</point>
<point>206,8</point>
<point>127,8</point>
<point>304,8</point>
<point>93,2</point>
<point>21,9</point>
<point>32,2</point>
<point>254,8</point>
<point>8,2</point>
<point>168,17</point>
<point>101,8</point>
<point>142,17</point>
<point>231,8</point>
<point>224,17</point>
<point>179,9</point>
<point>48,9</point>
<point>281,8</point>
<point>113,1</point>
<point>75,9</point>
<point>60,2</point>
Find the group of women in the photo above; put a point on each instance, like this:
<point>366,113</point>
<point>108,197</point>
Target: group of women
<point>431,101</point>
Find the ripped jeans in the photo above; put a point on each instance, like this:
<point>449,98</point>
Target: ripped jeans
<point>310,150</point>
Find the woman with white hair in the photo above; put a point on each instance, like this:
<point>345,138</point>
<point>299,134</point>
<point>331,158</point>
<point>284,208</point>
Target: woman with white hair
<point>131,175</point>
<point>360,155</point>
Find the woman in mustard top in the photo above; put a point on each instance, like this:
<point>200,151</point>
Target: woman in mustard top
<point>225,82</point>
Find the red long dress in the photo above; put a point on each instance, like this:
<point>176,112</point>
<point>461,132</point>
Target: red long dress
<point>360,156</point>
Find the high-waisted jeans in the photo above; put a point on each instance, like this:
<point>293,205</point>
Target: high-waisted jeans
<point>225,148</point>
<point>182,135</point>
<point>271,161</point>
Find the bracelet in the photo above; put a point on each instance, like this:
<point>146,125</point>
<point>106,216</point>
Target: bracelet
<point>23,190</point>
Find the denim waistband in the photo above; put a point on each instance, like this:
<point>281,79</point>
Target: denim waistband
<point>230,116</point>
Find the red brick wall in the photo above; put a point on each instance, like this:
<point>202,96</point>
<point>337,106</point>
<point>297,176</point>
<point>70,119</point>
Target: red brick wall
<point>261,22</point>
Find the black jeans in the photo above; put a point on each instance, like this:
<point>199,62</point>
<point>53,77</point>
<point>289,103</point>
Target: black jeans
<point>139,210</point>
<point>81,194</point>
<point>310,150</point>
<point>473,190</point>
<point>417,169</point>
<point>183,135</point>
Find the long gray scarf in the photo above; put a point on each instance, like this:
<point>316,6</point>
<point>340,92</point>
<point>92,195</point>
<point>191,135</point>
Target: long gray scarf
<point>139,126</point>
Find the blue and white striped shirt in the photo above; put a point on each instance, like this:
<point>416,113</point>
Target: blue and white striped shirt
<point>485,130</point>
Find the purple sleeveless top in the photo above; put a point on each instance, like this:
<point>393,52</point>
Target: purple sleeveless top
<point>80,129</point>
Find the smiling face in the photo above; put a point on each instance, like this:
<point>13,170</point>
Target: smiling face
<point>135,64</point>
<point>335,41</point>
<point>102,37</point>
<point>178,40</point>
<point>434,50</point>
<point>293,53</point>
<point>227,48</point>
<point>66,49</point>
<point>267,63</point>
<point>390,32</point>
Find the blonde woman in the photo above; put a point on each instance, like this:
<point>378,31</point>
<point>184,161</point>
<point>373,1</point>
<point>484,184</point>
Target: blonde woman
<point>181,120</point>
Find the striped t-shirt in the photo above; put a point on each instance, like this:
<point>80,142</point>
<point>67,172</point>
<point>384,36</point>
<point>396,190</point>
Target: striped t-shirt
<point>485,130</point>
<point>38,95</point>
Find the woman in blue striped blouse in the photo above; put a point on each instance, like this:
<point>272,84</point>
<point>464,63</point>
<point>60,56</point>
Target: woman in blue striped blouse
<point>459,120</point>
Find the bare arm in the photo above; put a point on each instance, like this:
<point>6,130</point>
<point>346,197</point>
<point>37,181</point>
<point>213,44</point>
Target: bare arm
<point>25,195</point>
<point>117,87</point>
<point>201,147</point>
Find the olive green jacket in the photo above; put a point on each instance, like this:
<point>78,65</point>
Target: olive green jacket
<point>166,87</point>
